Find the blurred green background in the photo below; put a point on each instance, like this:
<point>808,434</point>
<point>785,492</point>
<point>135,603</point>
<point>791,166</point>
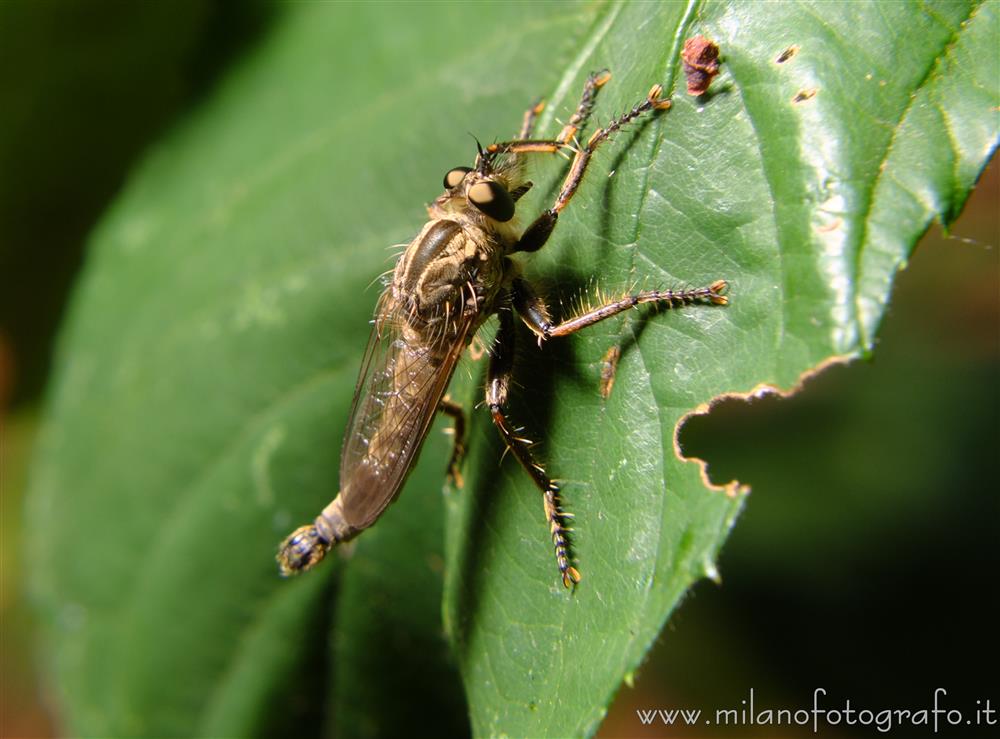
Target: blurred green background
<point>863,560</point>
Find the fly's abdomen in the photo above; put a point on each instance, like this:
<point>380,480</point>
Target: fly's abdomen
<point>403,377</point>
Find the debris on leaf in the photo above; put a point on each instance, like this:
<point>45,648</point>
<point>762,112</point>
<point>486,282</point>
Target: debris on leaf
<point>701,63</point>
<point>609,367</point>
<point>802,95</point>
<point>787,54</point>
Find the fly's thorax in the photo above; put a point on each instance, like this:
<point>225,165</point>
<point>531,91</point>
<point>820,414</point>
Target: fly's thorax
<point>454,265</point>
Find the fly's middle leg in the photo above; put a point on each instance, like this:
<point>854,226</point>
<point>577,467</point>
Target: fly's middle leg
<point>497,388</point>
<point>534,313</point>
<point>454,411</point>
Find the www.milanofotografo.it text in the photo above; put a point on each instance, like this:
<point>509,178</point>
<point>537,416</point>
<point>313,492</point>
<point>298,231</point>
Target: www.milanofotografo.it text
<point>937,714</point>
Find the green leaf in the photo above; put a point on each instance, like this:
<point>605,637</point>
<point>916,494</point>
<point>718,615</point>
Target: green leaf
<point>208,363</point>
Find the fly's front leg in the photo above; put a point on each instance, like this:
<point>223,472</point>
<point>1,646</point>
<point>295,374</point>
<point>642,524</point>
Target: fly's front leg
<point>652,102</point>
<point>530,116</point>
<point>534,313</point>
<point>538,233</point>
<point>497,388</point>
<point>594,83</point>
<point>524,143</point>
<point>457,415</point>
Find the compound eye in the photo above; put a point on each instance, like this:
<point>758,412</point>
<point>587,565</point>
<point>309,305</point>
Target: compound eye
<point>455,176</point>
<point>493,200</point>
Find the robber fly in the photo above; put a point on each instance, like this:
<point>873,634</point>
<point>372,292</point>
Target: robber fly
<point>454,275</point>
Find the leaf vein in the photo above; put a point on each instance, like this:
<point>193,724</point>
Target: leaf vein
<point>929,77</point>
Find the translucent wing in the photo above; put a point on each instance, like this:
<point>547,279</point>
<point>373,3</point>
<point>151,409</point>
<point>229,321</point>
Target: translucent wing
<point>400,386</point>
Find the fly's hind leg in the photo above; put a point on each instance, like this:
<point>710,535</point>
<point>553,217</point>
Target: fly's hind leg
<point>497,388</point>
<point>457,415</point>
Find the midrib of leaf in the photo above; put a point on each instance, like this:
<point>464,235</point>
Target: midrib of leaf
<point>668,66</point>
<point>569,78</point>
<point>769,178</point>
<point>571,73</point>
<point>601,26</point>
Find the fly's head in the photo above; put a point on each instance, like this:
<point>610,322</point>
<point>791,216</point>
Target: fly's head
<point>484,196</point>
